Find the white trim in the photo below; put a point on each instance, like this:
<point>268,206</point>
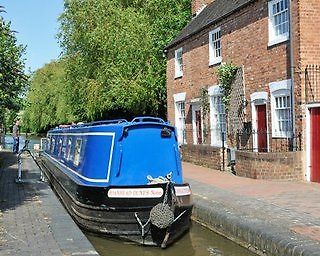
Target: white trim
<point>79,175</point>
<point>258,98</point>
<point>112,134</point>
<point>214,90</point>
<point>278,89</point>
<point>179,97</point>
<point>83,134</point>
<point>196,107</point>
<point>280,85</point>
<point>212,58</point>
<point>135,192</point>
<point>308,139</point>
<point>273,39</point>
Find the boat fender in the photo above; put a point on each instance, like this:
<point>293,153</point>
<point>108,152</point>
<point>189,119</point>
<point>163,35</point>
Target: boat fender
<point>161,216</point>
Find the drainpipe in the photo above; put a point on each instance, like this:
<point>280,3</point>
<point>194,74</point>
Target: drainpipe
<point>292,69</point>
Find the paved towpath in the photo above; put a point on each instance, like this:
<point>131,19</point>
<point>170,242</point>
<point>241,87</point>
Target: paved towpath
<point>32,219</point>
<point>275,217</point>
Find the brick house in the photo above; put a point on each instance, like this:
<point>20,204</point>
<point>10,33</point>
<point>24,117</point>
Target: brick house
<point>273,119</point>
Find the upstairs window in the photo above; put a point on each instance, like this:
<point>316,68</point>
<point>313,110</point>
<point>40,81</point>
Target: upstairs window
<point>215,56</point>
<point>278,21</point>
<point>281,109</point>
<point>178,63</point>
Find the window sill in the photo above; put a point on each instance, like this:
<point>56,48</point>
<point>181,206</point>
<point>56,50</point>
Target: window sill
<point>278,40</point>
<point>288,135</point>
<point>215,62</point>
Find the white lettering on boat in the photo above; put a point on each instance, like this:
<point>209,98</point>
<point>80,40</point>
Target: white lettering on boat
<point>135,192</point>
<point>182,191</point>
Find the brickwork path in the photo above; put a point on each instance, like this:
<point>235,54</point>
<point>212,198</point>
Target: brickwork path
<point>32,220</point>
<point>276,217</point>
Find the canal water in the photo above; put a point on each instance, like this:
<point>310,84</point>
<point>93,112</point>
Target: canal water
<point>200,241</point>
<point>32,140</point>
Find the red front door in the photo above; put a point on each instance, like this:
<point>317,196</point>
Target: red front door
<point>262,128</point>
<point>198,126</point>
<point>315,144</point>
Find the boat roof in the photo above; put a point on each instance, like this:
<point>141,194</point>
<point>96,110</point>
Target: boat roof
<point>122,123</point>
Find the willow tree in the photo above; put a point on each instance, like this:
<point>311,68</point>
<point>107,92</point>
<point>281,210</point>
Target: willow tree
<point>47,102</point>
<point>114,51</point>
<point>12,78</point>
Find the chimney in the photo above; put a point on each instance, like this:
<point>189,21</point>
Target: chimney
<point>198,6</point>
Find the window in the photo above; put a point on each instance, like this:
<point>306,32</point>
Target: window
<point>217,116</point>
<point>281,109</point>
<point>215,47</point>
<point>180,116</point>
<point>68,150</point>
<point>182,121</point>
<point>60,147</point>
<point>52,145</point>
<point>178,63</point>
<point>278,21</point>
<point>77,151</point>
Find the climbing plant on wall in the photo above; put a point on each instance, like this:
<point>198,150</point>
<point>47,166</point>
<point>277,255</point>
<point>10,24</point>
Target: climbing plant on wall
<point>226,75</point>
<point>205,107</point>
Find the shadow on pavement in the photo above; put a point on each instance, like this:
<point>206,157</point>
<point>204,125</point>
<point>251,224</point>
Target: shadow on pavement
<point>13,194</point>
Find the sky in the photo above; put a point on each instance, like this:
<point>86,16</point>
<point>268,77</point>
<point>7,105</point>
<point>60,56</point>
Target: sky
<point>36,24</point>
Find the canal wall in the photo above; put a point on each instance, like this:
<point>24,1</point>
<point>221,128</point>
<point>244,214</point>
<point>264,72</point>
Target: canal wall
<point>268,217</point>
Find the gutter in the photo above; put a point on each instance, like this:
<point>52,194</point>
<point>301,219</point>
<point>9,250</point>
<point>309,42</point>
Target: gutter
<point>292,68</point>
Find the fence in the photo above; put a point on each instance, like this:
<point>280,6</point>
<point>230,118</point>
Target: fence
<point>262,141</point>
<point>312,83</point>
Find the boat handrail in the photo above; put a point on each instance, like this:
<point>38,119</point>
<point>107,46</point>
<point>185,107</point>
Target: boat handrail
<point>114,121</point>
<point>147,119</point>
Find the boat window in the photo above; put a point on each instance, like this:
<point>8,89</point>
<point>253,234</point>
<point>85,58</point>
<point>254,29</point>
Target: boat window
<point>68,150</point>
<point>52,144</point>
<point>59,147</point>
<point>48,144</point>
<point>77,152</point>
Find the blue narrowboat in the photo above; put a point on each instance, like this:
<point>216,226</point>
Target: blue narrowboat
<point>120,178</point>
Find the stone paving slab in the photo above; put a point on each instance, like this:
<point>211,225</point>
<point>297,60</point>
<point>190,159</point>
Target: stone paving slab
<point>32,218</point>
<point>269,217</point>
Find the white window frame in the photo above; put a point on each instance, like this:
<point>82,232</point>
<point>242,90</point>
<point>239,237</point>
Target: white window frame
<point>273,38</point>
<point>216,123</point>
<point>178,61</point>
<point>281,89</point>
<point>215,58</point>
<point>180,124</point>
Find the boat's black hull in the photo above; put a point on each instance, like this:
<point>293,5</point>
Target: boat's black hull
<point>94,211</point>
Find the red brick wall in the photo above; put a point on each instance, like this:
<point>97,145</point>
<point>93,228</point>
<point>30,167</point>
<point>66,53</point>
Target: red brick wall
<point>244,42</point>
<point>202,155</point>
<point>198,4</point>
<point>271,166</point>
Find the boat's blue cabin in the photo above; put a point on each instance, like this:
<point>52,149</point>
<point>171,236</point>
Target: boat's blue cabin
<point>117,152</point>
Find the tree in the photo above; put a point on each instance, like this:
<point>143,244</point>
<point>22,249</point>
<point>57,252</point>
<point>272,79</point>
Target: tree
<point>114,51</point>
<point>13,81</point>
<point>47,103</point>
